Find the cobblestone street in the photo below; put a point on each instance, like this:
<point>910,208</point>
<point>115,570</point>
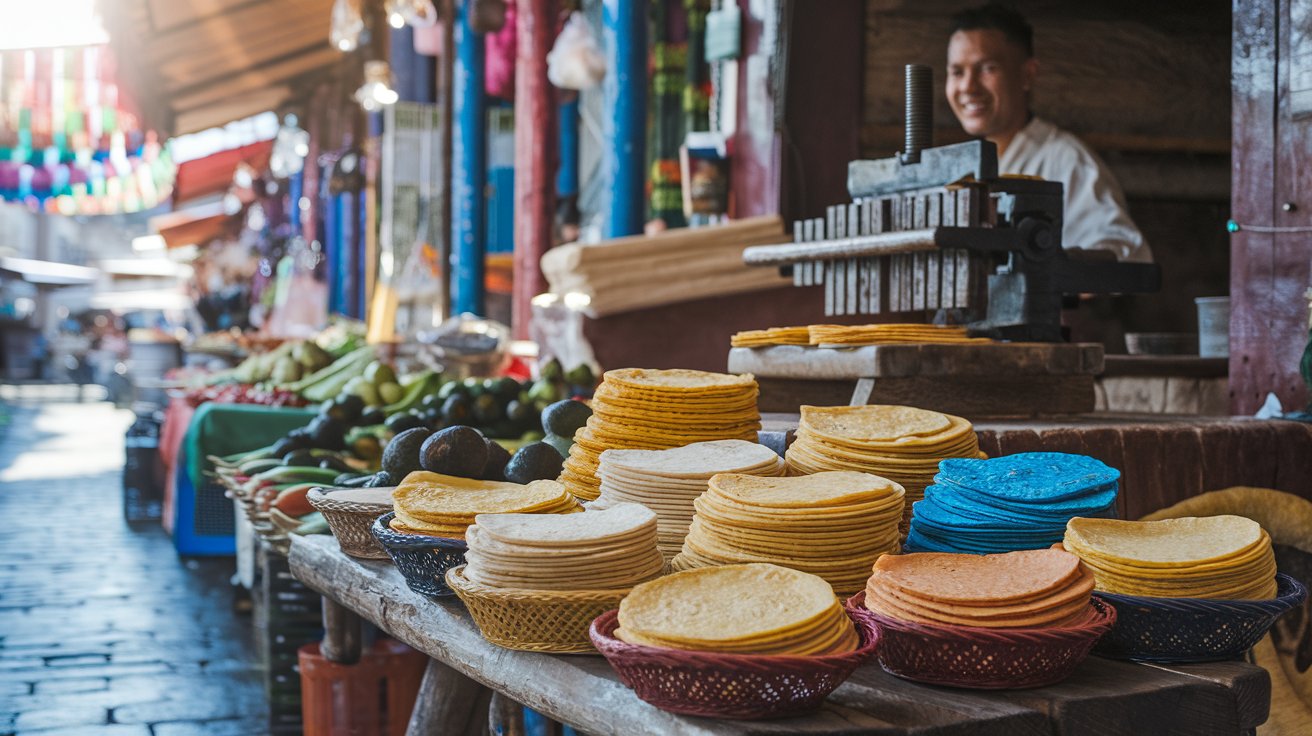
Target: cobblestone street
<point>103,628</point>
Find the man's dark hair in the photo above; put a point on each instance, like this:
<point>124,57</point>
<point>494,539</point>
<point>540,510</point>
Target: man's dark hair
<point>997,17</point>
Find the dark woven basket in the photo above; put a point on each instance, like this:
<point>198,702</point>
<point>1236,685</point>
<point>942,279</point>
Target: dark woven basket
<point>1193,629</point>
<point>984,658</point>
<point>741,686</point>
<point>422,560</point>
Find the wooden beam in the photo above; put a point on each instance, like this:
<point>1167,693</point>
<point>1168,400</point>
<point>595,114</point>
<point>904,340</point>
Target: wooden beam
<point>219,61</point>
<point>222,113</point>
<point>241,27</point>
<point>535,157</point>
<point>275,73</point>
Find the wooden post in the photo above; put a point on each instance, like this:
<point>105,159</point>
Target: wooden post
<point>449,704</point>
<point>341,633</point>
<point>535,156</point>
<point>469,170</point>
<point>625,31</point>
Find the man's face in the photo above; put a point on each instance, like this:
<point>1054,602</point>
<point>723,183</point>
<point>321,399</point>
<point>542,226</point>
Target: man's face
<point>989,79</point>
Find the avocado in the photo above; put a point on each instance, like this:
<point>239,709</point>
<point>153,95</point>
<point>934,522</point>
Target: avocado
<point>457,409</point>
<point>352,406</point>
<point>497,457</point>
<point>460,451</point>
<point>379,373</point>
<point>371,416</point>
<point>381,479</point>
<point>450,389</point>
<point>332,462</point>
<point>552,370</point>
<point>544,391</point>
<point>506,388</point>
<point>564,418</point>
<point>401,456</point>
<point>522,415</point>
<point>328,432</point>
<point>399,423</point>
<point>488,410</point>
<point>367,447</point>
<point>288,444</point>
<point>538,461</point>
<point>390,392</point>
<point>303,458</point>
<point>581,376</point>
<point>473,387</point>
<point>433,401</point>
<point>562,444</point>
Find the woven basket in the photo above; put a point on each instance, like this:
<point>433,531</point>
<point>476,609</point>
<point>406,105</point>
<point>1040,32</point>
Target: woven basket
<point>740,686</point>
<point>422,560</point>
<point>534,620</point>
<point>350,522</point>
<point>1193,629</point>
<point>984,658</point>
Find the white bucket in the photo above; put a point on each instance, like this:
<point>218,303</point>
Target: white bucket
<point>1213,326</point>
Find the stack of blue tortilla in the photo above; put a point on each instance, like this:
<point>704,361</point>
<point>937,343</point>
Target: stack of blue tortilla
<point>1009,503</point>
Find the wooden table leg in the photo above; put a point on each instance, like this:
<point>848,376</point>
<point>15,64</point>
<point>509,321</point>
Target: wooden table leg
<point>861,393</point>
<point>341,633</point>
<point>449,704</point>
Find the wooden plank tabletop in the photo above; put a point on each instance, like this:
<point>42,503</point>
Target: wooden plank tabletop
<point>1102,697</point>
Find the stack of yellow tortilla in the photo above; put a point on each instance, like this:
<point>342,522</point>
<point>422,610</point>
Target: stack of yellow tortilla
<point>741,609</point>
<point>445,505</point>
<point>771,336</point>
<point>901,443</point>
<point>1030,588</point>
<point>1190,557</point>
<point>611,549</point>
<point>889,334</point>
<point>834,525</point>
<point>642,409</point>
<point>668,481</point>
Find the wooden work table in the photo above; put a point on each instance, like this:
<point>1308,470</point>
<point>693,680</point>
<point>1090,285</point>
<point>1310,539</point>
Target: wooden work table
<point>1103,697</point>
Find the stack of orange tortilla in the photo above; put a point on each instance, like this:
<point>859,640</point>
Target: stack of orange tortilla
<point>1026,589</point>
<point>642,409</point>
<point>901,443</point>
<point>771,336</point>
<point>889,334</point>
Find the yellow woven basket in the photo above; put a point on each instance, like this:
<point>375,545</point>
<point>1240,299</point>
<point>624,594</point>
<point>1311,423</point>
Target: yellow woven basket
<point>534,620</point>
<point>350,522</point>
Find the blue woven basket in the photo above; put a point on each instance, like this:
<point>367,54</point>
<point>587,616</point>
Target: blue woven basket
<point>422,560</point>
<point>1192,629</point>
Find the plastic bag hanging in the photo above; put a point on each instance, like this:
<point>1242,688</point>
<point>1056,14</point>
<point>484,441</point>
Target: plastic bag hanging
<point>576,60</point>
<point>347,26</point>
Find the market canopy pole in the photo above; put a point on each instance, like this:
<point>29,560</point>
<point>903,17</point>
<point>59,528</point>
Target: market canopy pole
<point>625,26</point>
<point>535,155</point>
<point>469,170</point>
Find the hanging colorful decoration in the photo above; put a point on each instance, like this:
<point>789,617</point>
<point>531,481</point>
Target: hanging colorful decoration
<point>71,142</point>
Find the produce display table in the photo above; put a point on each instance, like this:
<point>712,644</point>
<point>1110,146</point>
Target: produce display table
<point>1102,697</point>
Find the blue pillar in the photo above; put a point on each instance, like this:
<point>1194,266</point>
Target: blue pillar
<point>295,188</point>
<point>469,170</point>
<point>625,32</point>
<point>567,176</point>
<point>412,70</point>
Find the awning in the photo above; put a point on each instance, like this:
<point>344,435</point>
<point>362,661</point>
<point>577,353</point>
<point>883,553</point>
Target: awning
<point>213,174</point>
<point>164,300</point>
<point>203,64</point>
<point>48,273</point>
<point>192,226</point>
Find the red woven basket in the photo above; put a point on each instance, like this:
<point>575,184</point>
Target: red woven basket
<point>984,658</point>
<point>741,686</point>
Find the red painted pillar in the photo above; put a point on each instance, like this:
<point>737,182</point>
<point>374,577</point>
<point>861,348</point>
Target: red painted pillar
<point>535,155</point>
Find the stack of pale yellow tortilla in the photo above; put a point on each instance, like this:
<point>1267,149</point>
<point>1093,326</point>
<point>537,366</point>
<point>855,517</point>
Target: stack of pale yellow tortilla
<point>641,409</point>
<point>741,609</point>
<point>668,481</point>
<point>1030,588</point>
<point>834,525</point>
<point>608,549</point>
<point>445,505</point>
<point>901,443</point>
<point>1191,557</point>
<point>771,336</point>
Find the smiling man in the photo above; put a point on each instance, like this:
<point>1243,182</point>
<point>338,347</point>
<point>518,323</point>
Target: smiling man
<point>991,76</point>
